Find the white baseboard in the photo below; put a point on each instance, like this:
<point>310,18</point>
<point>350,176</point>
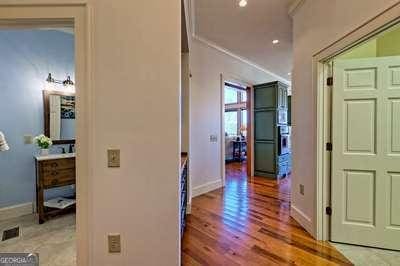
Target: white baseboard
<point>16,211</point>
<point>189,208</point>
<point>207,187</point>
<point>302,219</point>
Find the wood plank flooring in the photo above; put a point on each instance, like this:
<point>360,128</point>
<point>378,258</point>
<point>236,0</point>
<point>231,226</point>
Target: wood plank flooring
<point>248,223</point>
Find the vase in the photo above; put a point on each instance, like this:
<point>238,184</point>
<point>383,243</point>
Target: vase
<point>44,152</point>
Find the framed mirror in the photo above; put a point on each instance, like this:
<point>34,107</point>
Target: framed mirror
<point>59,116</point>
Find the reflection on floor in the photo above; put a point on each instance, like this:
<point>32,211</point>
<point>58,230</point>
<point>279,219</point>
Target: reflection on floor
<point>54,240</point>
<point>369,256</point>
<point>248,223</point>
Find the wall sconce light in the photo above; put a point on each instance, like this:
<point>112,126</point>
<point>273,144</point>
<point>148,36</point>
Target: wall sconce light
<point>65,82</point>
<point>3,143</point>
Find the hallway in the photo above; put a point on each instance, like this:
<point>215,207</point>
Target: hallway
<point>248,223</point>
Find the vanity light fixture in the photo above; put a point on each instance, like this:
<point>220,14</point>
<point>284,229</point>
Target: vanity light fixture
<point>275,41</point>
<point>3,143</point>
<point>243,3</point>
<point>65,82</point>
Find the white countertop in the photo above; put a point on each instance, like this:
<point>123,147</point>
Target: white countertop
<point>54,156</point>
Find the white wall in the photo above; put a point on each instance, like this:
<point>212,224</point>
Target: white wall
<point>185,86</point>
<point>315,29</point>
<point>136,63</point>
<point>206,65</point>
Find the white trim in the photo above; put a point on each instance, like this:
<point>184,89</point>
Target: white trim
<point>16,211</point>
<point>222,133</point>
<point>43,2</point>
<point>207,187</point>
<point>301,218</point>
<point>295,7</point>
<point>189,208</point>
<point>365,31</point>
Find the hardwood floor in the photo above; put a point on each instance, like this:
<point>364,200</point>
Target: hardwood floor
<point>248,223</point>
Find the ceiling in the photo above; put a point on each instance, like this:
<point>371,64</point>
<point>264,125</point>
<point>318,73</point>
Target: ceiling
<point>249,31</point>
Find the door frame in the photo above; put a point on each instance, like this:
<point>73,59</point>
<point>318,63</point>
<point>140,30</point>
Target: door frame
<point>321,71</point>
<point>250,91</point>
<point>54,13</point>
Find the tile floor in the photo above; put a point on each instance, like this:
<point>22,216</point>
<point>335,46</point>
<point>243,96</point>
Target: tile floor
<point>365,256</point>
<point>53,240</point>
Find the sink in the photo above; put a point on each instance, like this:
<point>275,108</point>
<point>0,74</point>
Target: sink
<point>54,156</point>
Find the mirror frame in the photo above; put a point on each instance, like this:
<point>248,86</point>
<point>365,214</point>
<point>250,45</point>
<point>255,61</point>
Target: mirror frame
<point>46,109</point>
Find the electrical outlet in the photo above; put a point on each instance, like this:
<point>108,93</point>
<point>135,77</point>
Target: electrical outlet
<point>301,189</point>
<point>114,243</point>
<point>28,139</point>
<point>113,158</point>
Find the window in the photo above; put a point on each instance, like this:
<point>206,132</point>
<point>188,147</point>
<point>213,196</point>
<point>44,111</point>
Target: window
<point>243,96</point>
<point>231,95</point>
<point>231,123</point>
<point>235,110</point>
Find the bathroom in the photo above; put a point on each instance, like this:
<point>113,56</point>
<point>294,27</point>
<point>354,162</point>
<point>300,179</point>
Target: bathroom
<point>37,173</point>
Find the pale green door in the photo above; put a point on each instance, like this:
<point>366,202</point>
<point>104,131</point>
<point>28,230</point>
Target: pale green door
<point>365,178</point>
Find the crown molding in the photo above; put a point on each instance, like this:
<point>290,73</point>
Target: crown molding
<point>238,57</point>
<point>295,7</point>
<point>211,44</point>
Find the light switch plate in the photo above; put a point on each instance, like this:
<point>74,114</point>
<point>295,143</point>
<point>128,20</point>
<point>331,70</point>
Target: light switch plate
<point>213,138</point>
<point>28,139</point>
<point>113,157</point>
<point>114,243</point>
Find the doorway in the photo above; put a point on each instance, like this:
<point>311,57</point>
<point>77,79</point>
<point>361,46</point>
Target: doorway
<point>66,20</point>
<point>363,105</point>
<point>237,127</point>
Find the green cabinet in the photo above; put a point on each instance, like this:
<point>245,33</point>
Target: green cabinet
<point>270,115</point>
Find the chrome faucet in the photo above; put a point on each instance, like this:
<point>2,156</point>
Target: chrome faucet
<point>71,148</point>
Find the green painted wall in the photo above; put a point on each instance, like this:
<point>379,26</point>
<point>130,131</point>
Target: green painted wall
<point>368,49</point>
<point>387,44</point>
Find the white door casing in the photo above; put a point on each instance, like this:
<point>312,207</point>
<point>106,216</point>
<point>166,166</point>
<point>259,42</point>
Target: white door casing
<point>366,152</point>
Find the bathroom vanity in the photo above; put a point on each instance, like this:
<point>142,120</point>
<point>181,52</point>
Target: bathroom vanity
<point>54,170</point>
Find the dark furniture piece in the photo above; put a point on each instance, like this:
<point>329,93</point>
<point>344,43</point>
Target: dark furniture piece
<point>184,190</point>
<point>289,114</point>
<point>51,174</point>
<point>239,147</point>
<point>271,135</point>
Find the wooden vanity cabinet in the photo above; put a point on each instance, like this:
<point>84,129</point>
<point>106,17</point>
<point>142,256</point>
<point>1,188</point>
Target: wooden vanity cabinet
<point>51,174</point>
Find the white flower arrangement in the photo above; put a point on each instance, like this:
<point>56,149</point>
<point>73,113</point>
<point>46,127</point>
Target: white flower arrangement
<point>43,142</point>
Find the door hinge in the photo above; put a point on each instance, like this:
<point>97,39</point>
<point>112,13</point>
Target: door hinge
<point>329,81</point>
<point>328,211</point>
<point>329,146</point>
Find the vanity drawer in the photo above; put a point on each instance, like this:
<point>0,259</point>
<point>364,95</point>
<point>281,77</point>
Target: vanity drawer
<point>51,165</point>
<point>58,177</point>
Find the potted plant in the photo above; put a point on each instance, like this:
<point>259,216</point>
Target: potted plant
<point>44,143</point>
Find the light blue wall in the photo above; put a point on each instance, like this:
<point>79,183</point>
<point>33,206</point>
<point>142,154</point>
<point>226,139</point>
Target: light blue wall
<point>26,58</point>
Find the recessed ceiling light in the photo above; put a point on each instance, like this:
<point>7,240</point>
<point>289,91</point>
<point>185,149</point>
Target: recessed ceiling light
<point>243,3</point>
<point>275,41</point>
